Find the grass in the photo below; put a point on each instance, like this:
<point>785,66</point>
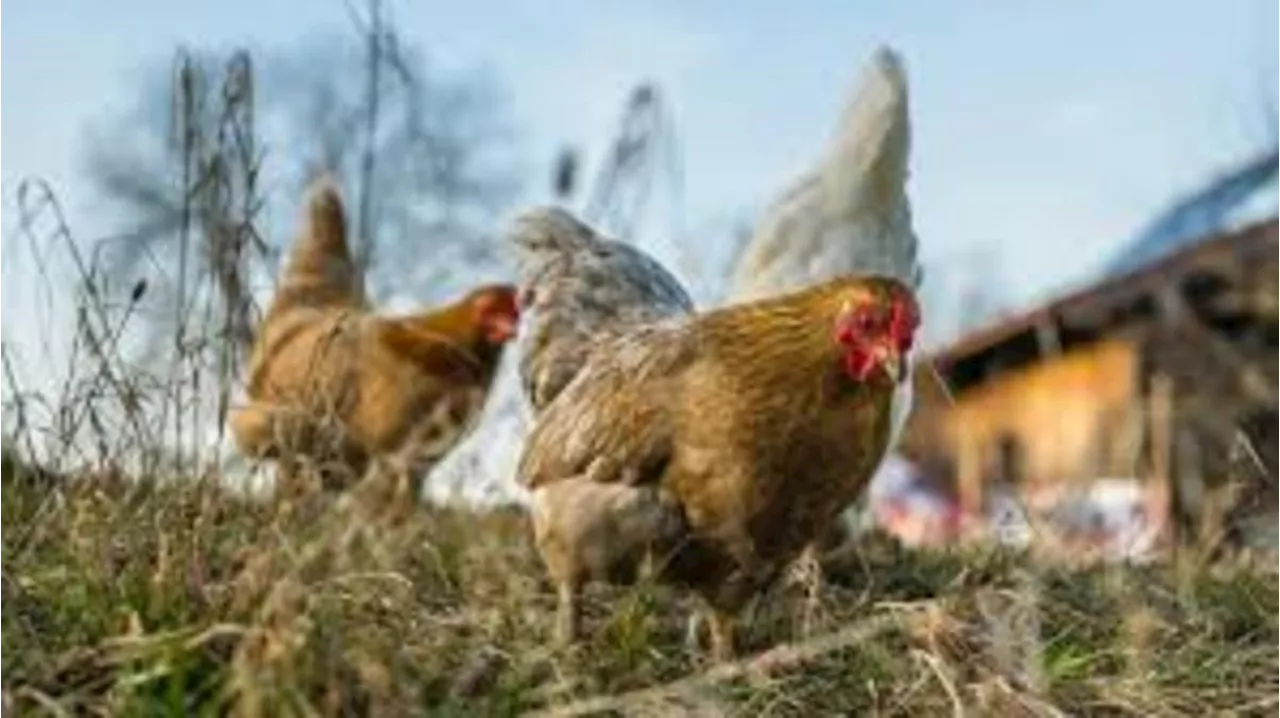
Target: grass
<point>180,598</point>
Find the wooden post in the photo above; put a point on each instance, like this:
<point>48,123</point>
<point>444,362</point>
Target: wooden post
<point>1160,411</point>
<point>969,476</point>
<point>1048,337</point>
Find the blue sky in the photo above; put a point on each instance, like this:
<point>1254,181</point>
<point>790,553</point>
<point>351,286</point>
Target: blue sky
<point>1045,133</point>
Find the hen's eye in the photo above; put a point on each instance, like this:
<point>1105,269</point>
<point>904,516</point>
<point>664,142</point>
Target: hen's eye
<point>865,322</point>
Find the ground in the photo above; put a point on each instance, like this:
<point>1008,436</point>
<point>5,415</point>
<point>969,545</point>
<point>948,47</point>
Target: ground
<point>176,597</point>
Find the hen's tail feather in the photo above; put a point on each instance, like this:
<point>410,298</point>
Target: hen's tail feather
<point>850,214</point>
<point>320,271</point>
<point>867,166</point>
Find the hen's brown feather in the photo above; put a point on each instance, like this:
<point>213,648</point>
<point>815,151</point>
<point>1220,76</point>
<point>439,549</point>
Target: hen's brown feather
<point>320,273</point>
<point>614,421</point>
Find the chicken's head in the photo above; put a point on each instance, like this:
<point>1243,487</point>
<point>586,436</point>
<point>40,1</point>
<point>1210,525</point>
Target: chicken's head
<point>495,312</point>
<point>876,327</point>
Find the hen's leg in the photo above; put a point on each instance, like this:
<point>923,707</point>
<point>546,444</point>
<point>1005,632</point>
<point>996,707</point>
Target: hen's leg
<point>721,625</point>
<point>808,572</point>
<point>290,477</point>
<point>560,548</point>
<point>723,634</point>
<point>693,633</point>
<point>568,612</point>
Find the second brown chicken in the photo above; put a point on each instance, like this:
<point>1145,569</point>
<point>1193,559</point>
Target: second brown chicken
<point>333,383</point>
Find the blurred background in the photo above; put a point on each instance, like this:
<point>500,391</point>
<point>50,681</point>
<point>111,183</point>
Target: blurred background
<point>157,154</point>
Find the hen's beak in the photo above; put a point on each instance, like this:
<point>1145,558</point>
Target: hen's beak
<point>895,365</point>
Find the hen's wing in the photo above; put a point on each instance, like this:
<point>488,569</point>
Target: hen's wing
<point>577,289</point>
<point>613,421</point>
<point>849,214</point>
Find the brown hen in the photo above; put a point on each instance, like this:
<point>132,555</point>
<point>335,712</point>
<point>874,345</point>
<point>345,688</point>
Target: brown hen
<point>333,383</point>
<point>720,443</point>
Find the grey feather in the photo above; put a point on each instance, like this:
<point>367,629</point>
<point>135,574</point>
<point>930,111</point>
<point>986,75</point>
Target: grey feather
<point>578,288</point>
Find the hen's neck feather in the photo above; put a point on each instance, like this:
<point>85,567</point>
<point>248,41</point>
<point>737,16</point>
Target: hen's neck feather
<point>448,338</point>
<point>787,336</point>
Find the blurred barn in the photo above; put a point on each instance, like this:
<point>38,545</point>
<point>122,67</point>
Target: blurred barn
<point>1162,373</point>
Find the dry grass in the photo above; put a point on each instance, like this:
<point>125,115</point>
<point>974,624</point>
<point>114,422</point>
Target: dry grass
<point>176,597</point>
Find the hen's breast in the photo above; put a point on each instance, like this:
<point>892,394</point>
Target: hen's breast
<point>827,467</point>
<point>765,480</point>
